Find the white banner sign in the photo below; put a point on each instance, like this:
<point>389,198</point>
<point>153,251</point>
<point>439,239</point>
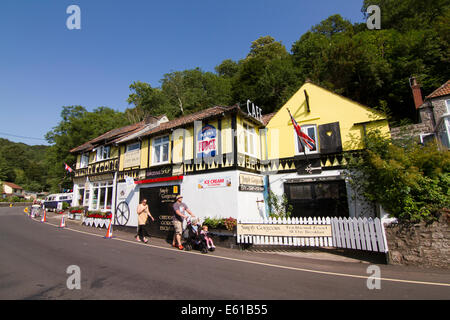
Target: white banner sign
<point>214,182</point>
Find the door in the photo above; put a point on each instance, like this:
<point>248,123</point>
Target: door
<point>318,199</point>
<point>160,201</point>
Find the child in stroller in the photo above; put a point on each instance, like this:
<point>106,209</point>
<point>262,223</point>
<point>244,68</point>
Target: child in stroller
<point>192,237</point>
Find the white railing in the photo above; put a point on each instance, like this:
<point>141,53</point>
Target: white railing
<point>351,233</point>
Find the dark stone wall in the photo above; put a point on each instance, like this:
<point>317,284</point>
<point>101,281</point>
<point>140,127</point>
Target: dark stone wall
<point>426,245</point>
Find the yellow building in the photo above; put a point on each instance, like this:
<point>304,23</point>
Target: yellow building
<point>313,179</point>
<point>224,160</point>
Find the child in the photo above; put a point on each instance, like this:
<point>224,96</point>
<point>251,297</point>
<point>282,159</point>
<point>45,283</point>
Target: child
<point>205,234</point>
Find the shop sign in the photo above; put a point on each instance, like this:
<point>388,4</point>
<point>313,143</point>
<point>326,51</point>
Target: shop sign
<point>160,172</point>
<point>102,177</point>
<point>248,182</point>
<point>207,142</point>
<point>165,223</point>
<point>284,230</point>
<point>168,194</point>
<point>214,182</point>
<point>132,158</point>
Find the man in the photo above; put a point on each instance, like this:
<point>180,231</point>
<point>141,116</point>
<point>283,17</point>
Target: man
<point>179,208</point>
<point>143,213</point>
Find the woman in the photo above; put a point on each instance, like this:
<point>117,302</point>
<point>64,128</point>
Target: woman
<point>143,214</point>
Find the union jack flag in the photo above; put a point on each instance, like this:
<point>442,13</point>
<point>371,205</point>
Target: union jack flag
<point>304,138</point>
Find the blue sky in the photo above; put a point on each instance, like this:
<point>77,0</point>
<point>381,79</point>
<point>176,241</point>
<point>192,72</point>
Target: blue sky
<point>44,65</point>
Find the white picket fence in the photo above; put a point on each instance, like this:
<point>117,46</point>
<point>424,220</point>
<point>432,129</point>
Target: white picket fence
<point>350,233</point>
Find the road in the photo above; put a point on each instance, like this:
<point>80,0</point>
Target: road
<point>35,256</point>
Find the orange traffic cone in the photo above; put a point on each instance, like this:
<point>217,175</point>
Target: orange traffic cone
<point>109,232</point>
<point>63,222</point>
<point>44,216</point>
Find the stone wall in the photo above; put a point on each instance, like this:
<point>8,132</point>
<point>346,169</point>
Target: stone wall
<point>439,106</point>
<point>420,244</point>
<point>410,131</point>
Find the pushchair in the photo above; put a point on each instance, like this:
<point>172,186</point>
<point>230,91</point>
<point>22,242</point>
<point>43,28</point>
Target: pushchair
<point>192,238</point>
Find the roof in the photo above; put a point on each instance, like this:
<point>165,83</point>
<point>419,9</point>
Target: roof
<point>12,185</point>
<point>441,91</point>
<point>147,127</point>
<point>266,118</point>
<point>200,115</point>
<point>112,134</point>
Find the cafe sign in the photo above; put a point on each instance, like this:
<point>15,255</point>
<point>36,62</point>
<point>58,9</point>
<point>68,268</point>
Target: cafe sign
<point>284,230</point>
<point>254,111</point>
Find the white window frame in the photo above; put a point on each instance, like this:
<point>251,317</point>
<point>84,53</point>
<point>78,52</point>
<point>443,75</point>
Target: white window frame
<point>447,103</point>
<point>133,146</point>
<point>161,146</point>
<point>103,153</point>
<point>101,185</point>
<point>304,129</point>
<point>84,160</point>
<point>250,136</point>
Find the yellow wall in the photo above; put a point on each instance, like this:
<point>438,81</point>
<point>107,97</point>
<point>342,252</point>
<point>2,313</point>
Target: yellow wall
<point>144,153</point>
<point>241,137</point>
<point>227,135</point>
<point>122,152</point>
<point>325,107</point>
<point>114,152</point>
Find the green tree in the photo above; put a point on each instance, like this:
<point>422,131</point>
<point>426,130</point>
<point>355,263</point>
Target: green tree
<point>76,127</point>
<point>266,76</point>
<point>411,182</point>
<point>228,68</point>
<point>194,90</point>
<point>147,101</point>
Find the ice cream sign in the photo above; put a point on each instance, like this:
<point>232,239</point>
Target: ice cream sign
<point>204,183</point>
<point>207,142</point>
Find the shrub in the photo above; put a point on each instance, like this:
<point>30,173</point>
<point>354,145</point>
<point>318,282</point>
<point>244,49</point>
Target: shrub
<point>215,223</point>
<point>409,181</point>
<point>279,206</point>
<point>229,223</point>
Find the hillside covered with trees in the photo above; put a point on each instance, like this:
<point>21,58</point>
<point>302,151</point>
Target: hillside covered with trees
<point>24,165</point>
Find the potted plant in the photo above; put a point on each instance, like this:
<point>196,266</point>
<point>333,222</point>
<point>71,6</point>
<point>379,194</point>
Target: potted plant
<point>75,212</point>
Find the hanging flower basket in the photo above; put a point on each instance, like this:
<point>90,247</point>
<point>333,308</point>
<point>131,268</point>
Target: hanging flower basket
<point>97,219</point>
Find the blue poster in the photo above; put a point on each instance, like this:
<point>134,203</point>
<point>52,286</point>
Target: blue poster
<point>207,142</point>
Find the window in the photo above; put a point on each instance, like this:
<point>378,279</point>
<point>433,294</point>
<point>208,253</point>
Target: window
<point>133,146</point>
<point>249,140</point>
<point>447,102</point>
<point>160,150</point>
<point>311,131</point>
<point>86,198</point>
<point>84,160</point>
<point>80,201</point>
<point>103,153</point>
<point>102,196</point>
